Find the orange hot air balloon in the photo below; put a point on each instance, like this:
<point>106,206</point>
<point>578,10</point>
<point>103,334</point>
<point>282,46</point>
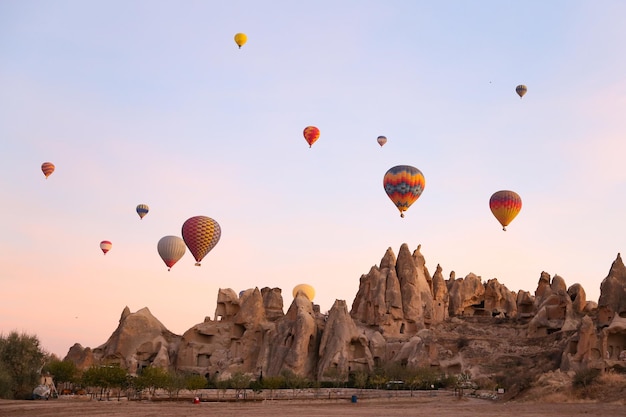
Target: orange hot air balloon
<point>201,234</point>
<point>505,205</point>
<point>381,140</point>
<point>105,245</point>
<point>404,184</point>
<point>47,168</point>
<point>311,135</point>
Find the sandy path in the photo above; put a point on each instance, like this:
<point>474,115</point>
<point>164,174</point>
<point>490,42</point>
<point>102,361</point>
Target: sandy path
<point>430,407</point>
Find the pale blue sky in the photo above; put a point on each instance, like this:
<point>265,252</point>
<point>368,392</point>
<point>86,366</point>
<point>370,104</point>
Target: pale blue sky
<point>151,102</point>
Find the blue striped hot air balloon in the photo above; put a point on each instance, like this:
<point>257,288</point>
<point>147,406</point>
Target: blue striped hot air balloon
<point>142,210</point>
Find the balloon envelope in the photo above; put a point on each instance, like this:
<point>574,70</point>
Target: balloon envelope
<point>171,249</point>
<point>308,290</point>
<point>142,210</point>
<point>521,90</point>
<point>201,234</point>
<point>381,140</point>
<point>505,205</point>
<point>47,168</point>
<point>105,245</point>
<point>404,184</point>
<point>311,135</point>
<point>241,39</point>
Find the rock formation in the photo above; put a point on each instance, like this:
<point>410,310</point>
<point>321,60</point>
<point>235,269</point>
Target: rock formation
<point>140,340</point>
<point>400,315</point>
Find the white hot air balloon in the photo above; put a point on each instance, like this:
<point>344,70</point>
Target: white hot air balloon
<point>171,249</point>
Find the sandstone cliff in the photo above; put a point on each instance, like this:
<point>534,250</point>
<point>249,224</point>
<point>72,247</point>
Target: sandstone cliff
<point>400,315</point>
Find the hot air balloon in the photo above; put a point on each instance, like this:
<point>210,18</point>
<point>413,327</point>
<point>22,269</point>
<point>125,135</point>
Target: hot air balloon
<point>311,135</point>
<point>171,249</point>
<point>308,290</point>
<point>47,168</point>
<point>404,184</point>
<point>505,205</point>
<point>105,245</point>
<point>521,90</point>
<point>142,210</point>
<point>241,39</point>
<point>201,234</point>
<point>381,140</point>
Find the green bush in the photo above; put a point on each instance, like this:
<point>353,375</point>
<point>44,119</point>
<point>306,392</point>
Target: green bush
<point>21,359</point>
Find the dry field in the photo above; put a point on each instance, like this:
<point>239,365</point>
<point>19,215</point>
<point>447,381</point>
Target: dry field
<point>431,406</point>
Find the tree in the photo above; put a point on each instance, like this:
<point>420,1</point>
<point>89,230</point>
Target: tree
<point>378,380</point>
<point>294,381</point>
<point>337,376</point>
<point>63,372</point>
<point>152,378</point>
<point>105,377</point>
<point>239,382</point>
<point>22,359</point>
<point>174,382</point>
<point>422,378</point>
<point>272,383</point>
<point>194,382</point>
<point>360,379</point>
<point>6,382</point>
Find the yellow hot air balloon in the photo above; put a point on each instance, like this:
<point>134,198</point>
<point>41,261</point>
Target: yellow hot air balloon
<point>241,39</point>
<point>505,205</point>
<point>306,289</point>
<point>521,90</point>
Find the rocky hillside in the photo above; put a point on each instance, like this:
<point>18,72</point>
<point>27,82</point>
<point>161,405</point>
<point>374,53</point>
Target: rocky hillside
<point>401,314</point>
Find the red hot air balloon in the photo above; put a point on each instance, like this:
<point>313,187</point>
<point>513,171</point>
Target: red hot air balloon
<point>47,168</point>
<point>105,245</point>
<point>311,135</point>
<point>505,206</point>
<point>404,184</point>
<point>201,234</point>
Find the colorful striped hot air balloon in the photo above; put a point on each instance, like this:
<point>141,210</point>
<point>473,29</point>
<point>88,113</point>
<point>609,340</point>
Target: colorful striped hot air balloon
<point>404,184</point>
<point>521,90</point>
<point>241,39</point>
<point>311,135</point>
<point>142,210</point>
<point>306,289</point>
<point>505,205</point>
<point>201,234</point>
<point>47,168</point>
<point>105,245</point>
<point>381,140</point>
<point>171,249</point>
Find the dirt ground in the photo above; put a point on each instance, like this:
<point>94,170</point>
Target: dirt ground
<point>417,406</point>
